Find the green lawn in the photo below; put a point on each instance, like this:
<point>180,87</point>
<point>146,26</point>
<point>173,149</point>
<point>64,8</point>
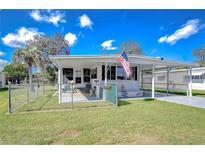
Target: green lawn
<point>134,122</point>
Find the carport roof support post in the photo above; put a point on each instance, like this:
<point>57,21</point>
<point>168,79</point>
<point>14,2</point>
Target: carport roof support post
<point>153,70</point>
<point>168,69</point>
<point>59,85</point>
<point>190,81</point>
<point>187,81</point>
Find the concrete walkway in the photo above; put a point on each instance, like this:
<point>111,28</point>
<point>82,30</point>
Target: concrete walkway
<point>185,100</point>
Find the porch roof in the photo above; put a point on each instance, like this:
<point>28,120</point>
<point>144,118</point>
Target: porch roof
<point>63,61</point>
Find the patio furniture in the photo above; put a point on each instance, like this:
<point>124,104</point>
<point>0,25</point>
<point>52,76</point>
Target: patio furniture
<point>88,87</point>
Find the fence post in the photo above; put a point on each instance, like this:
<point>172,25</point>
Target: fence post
<point>28,91</point>
<point>72,94</point>
<point>37,86</point>
<point>72,82</point>
<point>43,86</point>
<point>9,95</point>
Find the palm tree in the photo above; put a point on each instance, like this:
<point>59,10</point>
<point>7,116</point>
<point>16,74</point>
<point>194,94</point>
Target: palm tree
<point>36,53</point>
<point>30,57</point>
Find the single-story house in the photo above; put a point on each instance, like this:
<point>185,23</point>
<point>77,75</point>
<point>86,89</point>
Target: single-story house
<point>178,79</point>
<point>2,80</point>
<point>94,71</point>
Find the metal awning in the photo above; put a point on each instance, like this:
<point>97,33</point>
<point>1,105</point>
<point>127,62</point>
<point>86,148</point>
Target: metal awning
<point>62,61</point>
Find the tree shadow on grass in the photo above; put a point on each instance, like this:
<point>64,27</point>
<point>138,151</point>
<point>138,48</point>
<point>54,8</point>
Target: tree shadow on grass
<point>149,99</point>
<point>122,103</point>
<point>3,89</point>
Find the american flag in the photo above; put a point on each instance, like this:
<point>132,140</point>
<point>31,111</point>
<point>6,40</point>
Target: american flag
<point>123,59</point>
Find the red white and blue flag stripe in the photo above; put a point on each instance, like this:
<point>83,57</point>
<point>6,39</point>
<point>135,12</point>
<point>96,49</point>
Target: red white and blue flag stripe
<point>123,59</point>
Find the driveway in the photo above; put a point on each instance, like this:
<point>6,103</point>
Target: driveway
<point>185,100</point>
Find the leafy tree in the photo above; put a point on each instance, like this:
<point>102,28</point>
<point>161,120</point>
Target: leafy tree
<point>59,45</point>
<point>17,70</point>
<point>131,47</point>
<point>28,56</point>
<point>199,53</point>
<point>55,45</point>
<point>36,53</point>
<point>50,73</point>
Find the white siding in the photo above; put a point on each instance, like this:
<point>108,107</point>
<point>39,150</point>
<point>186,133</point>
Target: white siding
<point>177,79</point>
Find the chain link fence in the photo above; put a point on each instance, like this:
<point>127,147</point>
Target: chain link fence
<point>20,94</point>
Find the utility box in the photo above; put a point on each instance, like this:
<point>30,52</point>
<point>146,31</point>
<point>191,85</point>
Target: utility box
<point>110,93</point>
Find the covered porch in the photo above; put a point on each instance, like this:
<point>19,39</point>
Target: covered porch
<point>85,76</point>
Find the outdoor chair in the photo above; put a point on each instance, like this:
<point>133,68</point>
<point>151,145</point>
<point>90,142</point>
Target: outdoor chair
<point>88,87</point>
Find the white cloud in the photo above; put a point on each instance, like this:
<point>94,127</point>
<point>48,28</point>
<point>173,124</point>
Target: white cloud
<point>107,45</point>
<point>71,38</point>
<point>35,14</point>
<point>53,17</point>
<point>3,63</point>
<point>19,39</point>
<point>191,27</point>
<point>2,53</point>
<point>85,21</point>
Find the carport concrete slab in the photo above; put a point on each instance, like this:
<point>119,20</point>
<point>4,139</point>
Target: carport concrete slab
<point>185,100</point>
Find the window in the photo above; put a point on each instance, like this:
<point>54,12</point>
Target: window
<point>68,73</point>
<point>78,80</point>
<point>111,72</point>
<point>94,73</point>
<point>103,72</point>
<point>134,74</point>
<point>197,77</point>
<point>86,75</point>
<point>121,73</point>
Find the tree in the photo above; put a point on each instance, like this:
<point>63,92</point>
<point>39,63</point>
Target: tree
<point>27,56</point>
<point>59,45</point>
<point>36,53</point>
<point>131,47</point>
<point>17,71</point>
<point>46,46</point>
<point>199,53</point>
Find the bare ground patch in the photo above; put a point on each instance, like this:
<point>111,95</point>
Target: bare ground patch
<point>71,133</point>
<point>143,139</point>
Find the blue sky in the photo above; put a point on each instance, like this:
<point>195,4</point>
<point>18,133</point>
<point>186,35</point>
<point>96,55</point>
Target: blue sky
<point>167,33</point>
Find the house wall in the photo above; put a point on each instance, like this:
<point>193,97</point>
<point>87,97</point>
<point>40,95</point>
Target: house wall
<point>177,80</point>
<point>77,72</point>
<point>128,85</point>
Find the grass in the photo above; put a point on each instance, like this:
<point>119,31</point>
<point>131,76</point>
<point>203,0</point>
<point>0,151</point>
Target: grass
<point>134,122</point>
<point>50,102</point>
